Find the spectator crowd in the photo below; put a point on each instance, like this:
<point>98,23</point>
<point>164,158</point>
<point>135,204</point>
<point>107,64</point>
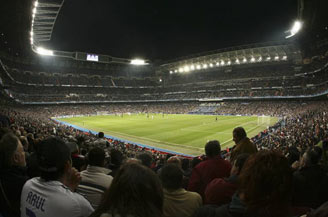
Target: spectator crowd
<point>49,169</point>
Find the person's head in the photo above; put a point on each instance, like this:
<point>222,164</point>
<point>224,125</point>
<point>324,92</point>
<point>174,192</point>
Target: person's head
<point>54,158</point>
<point>11,152</point>
<point>174,160</point>
<point>101,134</point>
<point>265,183</point>
<point>96,157</point>
<point>311,157</point>
<point>171,176</point>
<point>145,158</point>
<point>238,134</point>
<point>136,190</point>
<point>212,148</point>
<point>238,164</point>
<point>116,157</point>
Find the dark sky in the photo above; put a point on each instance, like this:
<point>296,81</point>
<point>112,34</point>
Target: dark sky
<point>166,29</point>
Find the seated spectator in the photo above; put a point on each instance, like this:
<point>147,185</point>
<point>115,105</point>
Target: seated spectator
<point>264,190</point>
<point>177,201</point>
<point>243,144</point>
<point>310,181</point>
<point>220,190</point>
<point>78,160</point>
<point>95,179</point>
<point>146,159</point>
<point>116,160</point>
<point>12,174</point>
<point>101,142</point>
<point>135,191</point>
<point>213,167</point>
<point>53,194</point>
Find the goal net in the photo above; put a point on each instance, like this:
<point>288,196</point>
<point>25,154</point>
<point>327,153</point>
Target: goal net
<point>263,120</point>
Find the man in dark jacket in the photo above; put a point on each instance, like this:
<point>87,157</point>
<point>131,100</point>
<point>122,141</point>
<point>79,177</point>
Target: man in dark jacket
<point>12,174</point>
<point>310,181</point>
<point>243,144</point>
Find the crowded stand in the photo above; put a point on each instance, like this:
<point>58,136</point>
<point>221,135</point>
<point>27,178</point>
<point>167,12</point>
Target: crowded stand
<point>294,139</point>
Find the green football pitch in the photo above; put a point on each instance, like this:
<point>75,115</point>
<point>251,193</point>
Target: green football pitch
<point>185,134</point>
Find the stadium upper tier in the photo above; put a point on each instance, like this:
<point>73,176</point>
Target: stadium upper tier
<point>54,80</point>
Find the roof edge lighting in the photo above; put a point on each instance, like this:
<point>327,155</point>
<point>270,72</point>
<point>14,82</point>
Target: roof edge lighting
<point>138,62</point>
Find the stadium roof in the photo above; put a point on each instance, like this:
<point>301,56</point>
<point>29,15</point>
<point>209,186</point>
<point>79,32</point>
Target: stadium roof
<point>153,29</point>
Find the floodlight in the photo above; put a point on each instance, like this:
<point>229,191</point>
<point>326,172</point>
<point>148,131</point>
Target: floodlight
<point>276,58</point>
<point>43,51</point>
<point>204,66</point>
<point>252,59</point>
<point>222,62</point>
<point>198,67</point>
<point>268,58</point>
<point>171,72</point>
<point>180,69</point>
<point>244,60</point>
<point>284,57</point>
<point>34,11</point>
<point>192,67</point>
<point>138,62</point>
<point>36,3</point>
<point>260,59</point>
<point>31,33</point>
<point>211,65</point>
<point>160,80</point>
<point>176,71</point>
<point>186,68</point>
<point>295,29</point>
<point>229,62</point>
<point>217,63</point>
<point>237,61</point>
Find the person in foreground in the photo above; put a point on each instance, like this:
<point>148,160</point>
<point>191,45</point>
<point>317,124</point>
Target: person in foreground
<point>53,194</point>
<point>264,189</point>
<point>177,201</point>
<point>136,191</point>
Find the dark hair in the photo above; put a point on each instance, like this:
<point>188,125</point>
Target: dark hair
<point>240,132</point>
<point>96,157</point>
<point>313,156</point>
<point>240,160</point>
<point>195,161</point>
<point>136,190</point>
<point>185,163</point>
<point>171,176</point>
<point>8,146</point>
<point>52,156</point>
<point>116,157</point>
<point>266,181</point>
<point>146,159</point>
<point>101,134</point>
<point>212,148</point>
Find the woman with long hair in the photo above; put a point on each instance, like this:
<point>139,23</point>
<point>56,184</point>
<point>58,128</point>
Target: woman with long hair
<point>136,191</point>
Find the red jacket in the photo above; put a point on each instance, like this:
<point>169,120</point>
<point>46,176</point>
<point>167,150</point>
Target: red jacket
<point>219,191</point>
<point>206,171</point>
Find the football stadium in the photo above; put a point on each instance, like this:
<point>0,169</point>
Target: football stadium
<point>164,108</point>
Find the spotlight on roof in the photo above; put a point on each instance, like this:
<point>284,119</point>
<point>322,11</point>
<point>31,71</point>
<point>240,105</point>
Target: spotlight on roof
<point>43,51</point>
<point>138,62</point>
<point>295,29</point>
<point>34,10</point>
<point>36,3</point>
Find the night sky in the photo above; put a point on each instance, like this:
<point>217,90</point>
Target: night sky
<point>163,30</point>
